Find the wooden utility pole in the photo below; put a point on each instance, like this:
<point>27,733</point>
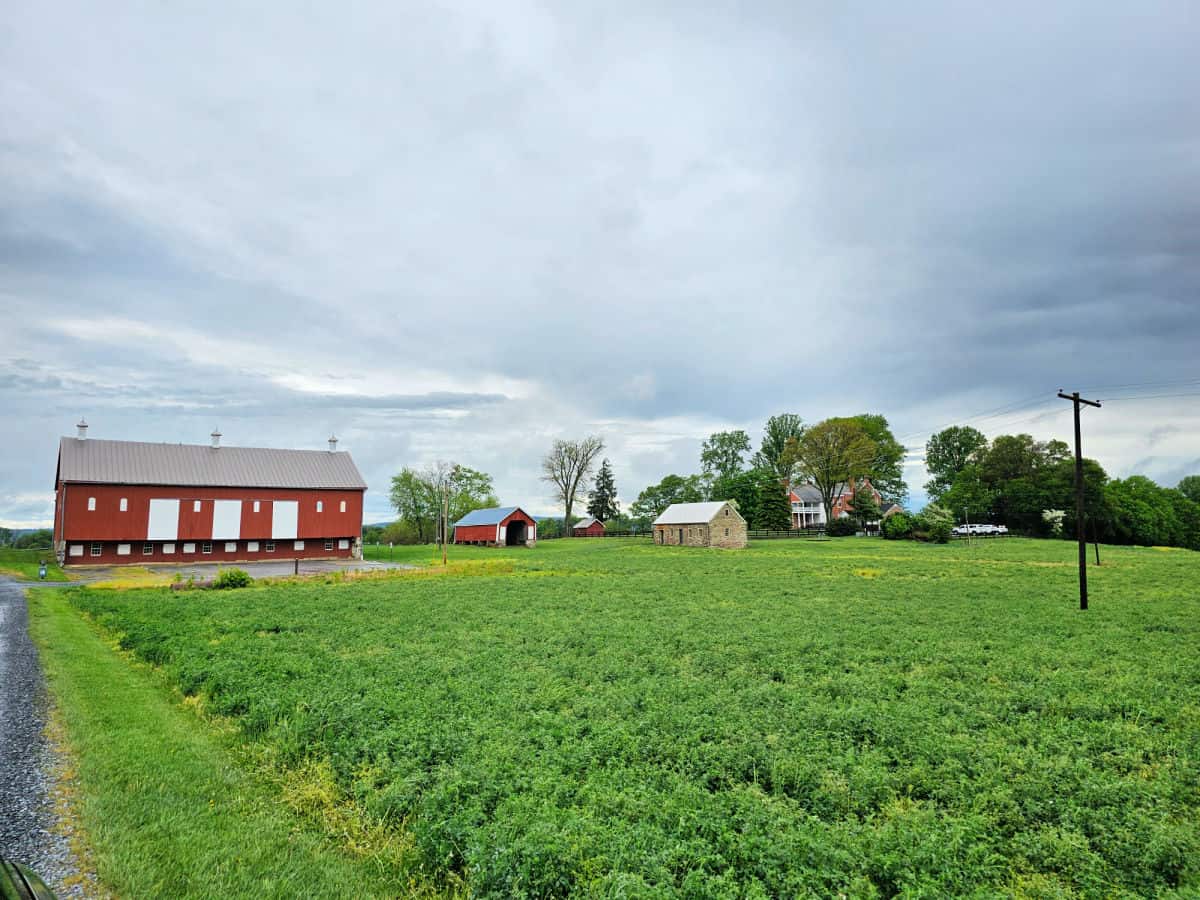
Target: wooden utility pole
<point>1080,533</point>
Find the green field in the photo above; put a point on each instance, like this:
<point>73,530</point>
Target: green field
<point>614,718</point>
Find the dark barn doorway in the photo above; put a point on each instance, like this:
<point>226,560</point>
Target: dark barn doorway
<point>514,534</point>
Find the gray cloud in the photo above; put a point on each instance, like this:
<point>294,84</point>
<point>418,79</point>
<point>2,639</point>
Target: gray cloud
<point>463,232</point>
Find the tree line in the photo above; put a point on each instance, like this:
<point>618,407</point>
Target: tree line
<point>1029,486</point>
<point>829,454</point>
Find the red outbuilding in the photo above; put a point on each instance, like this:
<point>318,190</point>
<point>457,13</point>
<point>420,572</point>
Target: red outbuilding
<point>589,527</point>
<point>128,502</point>
<point>500,526</point>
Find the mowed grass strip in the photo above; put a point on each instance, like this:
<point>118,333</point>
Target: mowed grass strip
<point>168,809</point>
<point>614,718</point>
<point>23,564</point>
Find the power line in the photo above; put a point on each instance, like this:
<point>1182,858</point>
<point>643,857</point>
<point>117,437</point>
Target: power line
<point>1117,387</point>
<point>1151,396</point>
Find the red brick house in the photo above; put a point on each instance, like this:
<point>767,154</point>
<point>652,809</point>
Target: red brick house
<point>129,502</point>
<point>589,527</point>
<point>808,510</point>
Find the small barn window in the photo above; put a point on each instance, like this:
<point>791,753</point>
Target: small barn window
<point>329,545</point>
<point>298,545</point>
<point>726,532</point>
<point>122,549</point>
<point>195,506</point>
<point>97,549</point>
<point>168,549</point>
<point>231,546</point>
<point>124,504</point>
<point>320,506</point>
<point>727,510</point>
<point>251,546</point>
<point>256,505</point>
<point>342,506</point>
<point>147,549</point>
<point>91,504</point>
<point>206,547</point>
<point>270,546</point>
<point>189,548</point>
<point>77,549</point>
<point>344,544</point>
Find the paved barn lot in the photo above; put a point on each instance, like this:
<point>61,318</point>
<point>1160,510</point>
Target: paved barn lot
<point>267,569</point>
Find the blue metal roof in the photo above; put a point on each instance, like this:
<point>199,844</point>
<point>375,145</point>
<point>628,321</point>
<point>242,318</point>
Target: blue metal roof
<point>493,516</point>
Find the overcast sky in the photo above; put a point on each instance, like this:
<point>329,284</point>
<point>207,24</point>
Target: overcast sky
<point>463,232</point>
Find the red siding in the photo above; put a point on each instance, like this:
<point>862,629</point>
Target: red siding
<point>468,534</point>
<point>73,521</point>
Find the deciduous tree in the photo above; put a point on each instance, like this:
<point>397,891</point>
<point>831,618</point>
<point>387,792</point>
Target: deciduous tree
<point>830,453</point>
<point>568,468</point>
<point>949,452</point>
<point>887,467</point>
<point>721,455</point>
<point>672,489</point>
<point>776,433</point>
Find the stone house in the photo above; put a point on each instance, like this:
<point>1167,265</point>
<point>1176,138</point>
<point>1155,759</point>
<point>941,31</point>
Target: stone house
<point>713,524</point>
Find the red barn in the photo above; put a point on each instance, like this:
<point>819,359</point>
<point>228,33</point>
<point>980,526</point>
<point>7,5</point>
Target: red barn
<point>127,502</point>
<point>500,526</point>
<point>589,527</point>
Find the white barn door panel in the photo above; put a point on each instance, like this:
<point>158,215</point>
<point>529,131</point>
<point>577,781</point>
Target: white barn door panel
<point>164,520</point>
<point>227,520</point>
<point>284,517</point>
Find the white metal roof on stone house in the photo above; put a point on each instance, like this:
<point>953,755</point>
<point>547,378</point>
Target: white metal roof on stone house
<point>694,513</point>
<point>195,465</point>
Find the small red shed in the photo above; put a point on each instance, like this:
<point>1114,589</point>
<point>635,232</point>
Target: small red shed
<point>589,527</point>
<point>500,526</point>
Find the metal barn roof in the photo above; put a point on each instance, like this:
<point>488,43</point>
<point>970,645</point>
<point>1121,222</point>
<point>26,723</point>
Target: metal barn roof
<point>690,513</point>
<point>493,516</point>
<point>196,465</point>
<point>587,523</point>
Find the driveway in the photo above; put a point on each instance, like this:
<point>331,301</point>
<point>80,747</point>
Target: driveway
<point>27,816</point>
<point>265,569</point>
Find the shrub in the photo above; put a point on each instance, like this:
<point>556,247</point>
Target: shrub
<point>934,524</point>
<point>232,578</point>
<point>841,527</point>
<point>897,526</point>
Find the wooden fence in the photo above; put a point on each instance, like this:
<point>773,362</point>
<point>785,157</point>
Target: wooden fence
<point>812,534</point>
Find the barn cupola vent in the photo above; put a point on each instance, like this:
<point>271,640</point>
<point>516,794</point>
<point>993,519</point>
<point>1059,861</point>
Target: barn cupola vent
<point>216,437</point>
<point>332,443</point>
<point>81,429</point>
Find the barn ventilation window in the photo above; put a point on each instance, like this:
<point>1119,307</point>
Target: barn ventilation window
<point>252,546</point>
<point>196,506</point>
<point>168,549</point>
<point>320,506</point>
<point>256,507</point>
<point>91,505</point>
<point>231,546</point>
<point>124,504</point>
<point>342,507</point>
<point>298,545</point>
<point>189,548</point>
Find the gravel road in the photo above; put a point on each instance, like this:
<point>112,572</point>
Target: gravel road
<point>27,817</point>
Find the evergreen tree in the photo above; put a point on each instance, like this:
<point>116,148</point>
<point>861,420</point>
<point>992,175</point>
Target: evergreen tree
<point>863,506</point>
<point>602,501</point>
<point>774,511</point>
